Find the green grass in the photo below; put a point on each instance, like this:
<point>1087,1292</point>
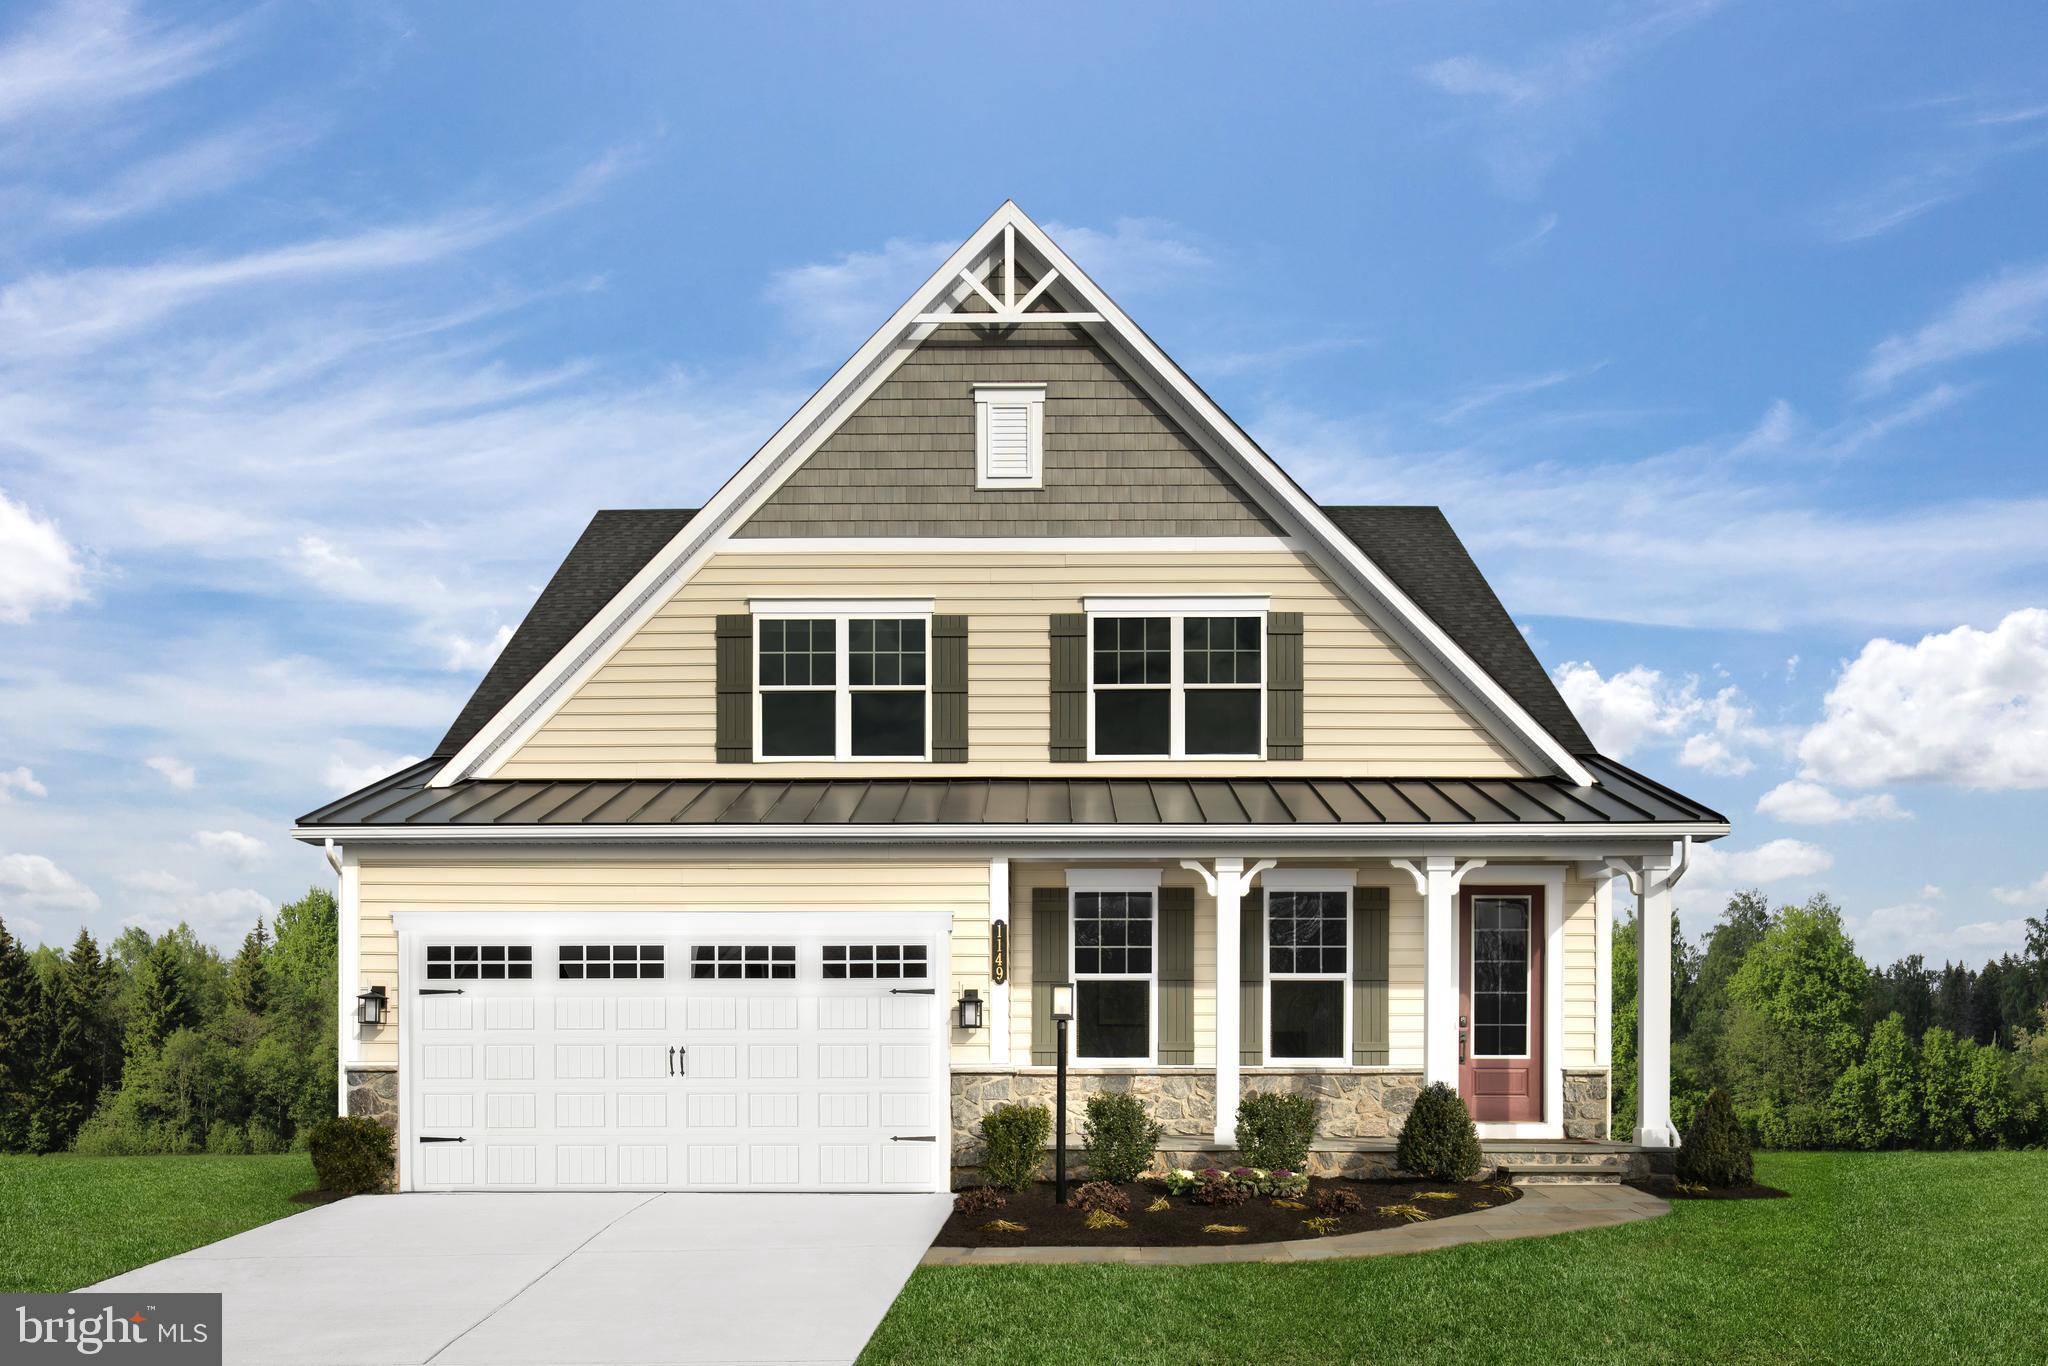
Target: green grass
<point>1883,1257</point>
<point>69,1221</point>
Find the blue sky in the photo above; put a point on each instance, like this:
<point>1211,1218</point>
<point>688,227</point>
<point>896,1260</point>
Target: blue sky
<point>1716,328</point>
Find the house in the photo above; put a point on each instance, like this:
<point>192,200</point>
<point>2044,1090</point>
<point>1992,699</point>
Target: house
<point>1009,661</point>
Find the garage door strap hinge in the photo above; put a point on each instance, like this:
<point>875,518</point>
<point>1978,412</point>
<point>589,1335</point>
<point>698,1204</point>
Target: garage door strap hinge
<point>440,991</point>
<point>913,1138</point>
<point>436,1138</point>
<point>913,991</point>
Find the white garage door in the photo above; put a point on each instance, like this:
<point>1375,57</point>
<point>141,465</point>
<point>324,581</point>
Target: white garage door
<point>674,1052</point>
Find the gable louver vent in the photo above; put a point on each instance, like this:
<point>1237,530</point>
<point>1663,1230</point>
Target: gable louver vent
<point>1009,431</point>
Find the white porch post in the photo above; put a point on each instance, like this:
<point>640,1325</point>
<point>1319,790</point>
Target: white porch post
<point>1653,1004</point>
<point>1437,880</point>
<point>1228,883</point>
<point>348,917</point>
<point>998,992</point>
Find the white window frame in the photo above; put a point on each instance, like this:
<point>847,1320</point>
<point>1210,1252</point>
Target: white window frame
<point>1310,880</point>
<point>1177,611</point>
<point>1032,397</point>
<point>1529,1022</point>
<point>842,612</point>
<point>1145,880</point>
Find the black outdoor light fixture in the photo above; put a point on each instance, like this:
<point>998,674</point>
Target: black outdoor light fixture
<point>1062,1011</point>
<point>370,1006</point>
<point>970,1009</point>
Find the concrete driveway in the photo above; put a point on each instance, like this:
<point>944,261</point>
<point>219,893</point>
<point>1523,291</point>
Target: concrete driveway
<point>561,1279</point>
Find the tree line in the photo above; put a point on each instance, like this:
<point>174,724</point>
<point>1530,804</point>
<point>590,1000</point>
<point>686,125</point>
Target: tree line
<point>161,1045</point>
<point>1817,1049</point>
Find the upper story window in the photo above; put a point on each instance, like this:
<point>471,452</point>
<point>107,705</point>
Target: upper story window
<point>1009,436</point>
<point>1177,678</point>
<point>843,680</point>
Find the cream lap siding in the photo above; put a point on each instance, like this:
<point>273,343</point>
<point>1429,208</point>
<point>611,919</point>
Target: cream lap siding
<point>1368,709</point>
<point>1581,973</point>
<point>614,884</point>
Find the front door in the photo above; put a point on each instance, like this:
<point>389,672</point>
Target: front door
<point>1500,1003</point>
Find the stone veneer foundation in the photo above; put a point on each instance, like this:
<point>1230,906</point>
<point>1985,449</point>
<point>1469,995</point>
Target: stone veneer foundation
<point>373,1093</point>
<point>1586,1110</point>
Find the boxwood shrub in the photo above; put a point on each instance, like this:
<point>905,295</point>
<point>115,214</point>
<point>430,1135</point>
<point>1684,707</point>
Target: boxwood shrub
<point>351,1154</point>
<point>1275,1130</point>
<point>1715,1152</point>
<point>1013,1139</point>
<point>1119,1137</point>
<point>1438,1139</point>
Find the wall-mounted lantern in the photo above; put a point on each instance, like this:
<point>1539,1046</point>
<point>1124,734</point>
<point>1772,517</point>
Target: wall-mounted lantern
<point>370,1006</point>
<point>970,1009</point>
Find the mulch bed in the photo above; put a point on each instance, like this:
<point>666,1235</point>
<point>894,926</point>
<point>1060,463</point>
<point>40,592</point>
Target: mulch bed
<point>1181,1223</point>
<point>1666,1188</point>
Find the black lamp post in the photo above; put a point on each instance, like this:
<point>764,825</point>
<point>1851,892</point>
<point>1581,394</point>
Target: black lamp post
<point>1062,1011</point>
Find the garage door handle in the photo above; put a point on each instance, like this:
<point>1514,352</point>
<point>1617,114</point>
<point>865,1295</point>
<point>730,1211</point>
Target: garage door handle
<point>435,1138</point>
<point>913,1138</point>
<point>683,1061</point>
<point>913,991</point>
<point>440,991</point>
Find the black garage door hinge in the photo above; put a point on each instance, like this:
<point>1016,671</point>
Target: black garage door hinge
<point>913,1138</point>
<point>436,1138</point>
<point>913,991</point>
<point>440,991</point>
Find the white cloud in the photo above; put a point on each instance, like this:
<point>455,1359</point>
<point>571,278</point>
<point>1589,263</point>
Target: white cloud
<point>219,915</point>
<point>1891,932</point>
<point>1488,395</point>
<point>179,774</point>
<point>87,58</point>
<point>1712,754</point>
<point>39,570</point>
<point>2035,893</point>
<point>830,306</point>
<point>1965,707</point>
<point>1799,802</point>
<point>20,781</point>
<point>156,880</point>
<point>347,775</point>
<point>1773,861</point>
<point>200,167</point>
<point>1135,256</point>
<point>464,655</point>
<point>232,845</point>
<point>1988,316</point>
<point>1638,706</point>
<point>30,882</point>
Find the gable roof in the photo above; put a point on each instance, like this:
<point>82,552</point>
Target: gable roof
<point>1066,295</point>
<point>1414,545</point>
<point>612,549</point>
<point>1421,553</point>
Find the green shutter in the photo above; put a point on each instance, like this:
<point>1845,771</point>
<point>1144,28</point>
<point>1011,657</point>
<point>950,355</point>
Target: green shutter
<point>1069,687</point>
<point>1048,965</point>
<point>1369,1042</point>
<point>1251,974</point>
<point>735,688</point>
<point>949,690</point>
<point>1177,976</point>
<point>1283,685</point>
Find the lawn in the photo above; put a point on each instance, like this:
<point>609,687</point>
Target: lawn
<point>1881,1257</point>
<point>70,1221</point>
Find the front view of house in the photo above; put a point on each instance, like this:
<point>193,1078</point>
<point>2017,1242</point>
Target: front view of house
<point>1008,661</point>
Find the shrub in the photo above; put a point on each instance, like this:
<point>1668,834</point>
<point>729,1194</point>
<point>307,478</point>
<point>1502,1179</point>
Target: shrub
<point>1281,1181</point>
<point>1275,1130</point>
<point>977,1199</point>
<point>1119,1137</point>
<point>1332,1201</point>
<point>351,1154</point>
<point>1100,1195</point>
<point>265,1140</point>
<point>1013,1138</point>
<point>1220,1190</point>
<point>1181,1181</point>
<point>223,1137</point>
<point>1438,1140</point>
<point>1715,1152</point>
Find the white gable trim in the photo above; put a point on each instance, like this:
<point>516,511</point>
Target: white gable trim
<point>955,280</point>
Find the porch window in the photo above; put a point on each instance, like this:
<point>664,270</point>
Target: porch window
<point>1186,683</point>
<point>843,687</point>
<point>1113,976</point>
<point>1308,964</point>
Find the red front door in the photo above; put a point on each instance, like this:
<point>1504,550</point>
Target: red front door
<point>1500,1002</point>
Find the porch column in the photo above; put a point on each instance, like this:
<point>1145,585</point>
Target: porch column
<point>1653,1004</point>
<point>999,992</point>
<point>1227,882</point>
<point>1437,879</point>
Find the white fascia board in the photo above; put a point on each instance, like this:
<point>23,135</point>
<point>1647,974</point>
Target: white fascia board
<point>648,590</point>
<point>1401,837</point>
<point>1306,513</point>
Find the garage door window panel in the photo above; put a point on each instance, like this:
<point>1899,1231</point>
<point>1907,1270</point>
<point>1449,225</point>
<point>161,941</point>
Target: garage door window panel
<point>866,962</point>
<point>479,962</point>
<point>611,962</point>
<point>743,962</point>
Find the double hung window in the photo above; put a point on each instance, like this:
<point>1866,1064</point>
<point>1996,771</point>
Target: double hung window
<point>1308,966</point>
<point>1177,679</point>
<point>848,685</point>
<point>1113,973</point>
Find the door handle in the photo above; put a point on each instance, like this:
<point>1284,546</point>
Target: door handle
<point>1462,1019</point>
<point>683,1061</point>
<point>671,1059</point>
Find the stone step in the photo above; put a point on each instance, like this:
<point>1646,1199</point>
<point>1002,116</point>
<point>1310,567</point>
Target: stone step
<point>1581,1171</point>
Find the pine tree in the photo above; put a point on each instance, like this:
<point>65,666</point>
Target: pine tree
<point>86,1056</point>
<point>162,1005</point>
<point>20,1046</point>
<point>249,976</point>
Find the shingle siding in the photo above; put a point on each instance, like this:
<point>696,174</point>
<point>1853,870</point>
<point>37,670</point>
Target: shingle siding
<point>902,464</point>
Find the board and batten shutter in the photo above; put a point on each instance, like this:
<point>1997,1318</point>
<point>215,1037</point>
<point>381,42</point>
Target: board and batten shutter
<point>1048,965</point>
<point>735,688</point>
<point>1069,687</point>
<point>1369,931</point>
<point>1251,975</point>
<point>1177,976</point>
<point>949,689</point>
<point>1283,685</point>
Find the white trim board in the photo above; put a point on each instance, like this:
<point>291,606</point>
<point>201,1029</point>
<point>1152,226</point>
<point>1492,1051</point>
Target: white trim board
<point>709,531</point>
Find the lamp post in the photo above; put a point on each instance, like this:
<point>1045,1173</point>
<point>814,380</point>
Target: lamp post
<point>1062,1011</point>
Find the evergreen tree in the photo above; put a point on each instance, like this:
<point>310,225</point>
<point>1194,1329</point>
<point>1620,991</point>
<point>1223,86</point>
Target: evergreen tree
<point>20,1048</point>
<point>161,1003</point>
<point>249,975</point>
<point>87,1050</point>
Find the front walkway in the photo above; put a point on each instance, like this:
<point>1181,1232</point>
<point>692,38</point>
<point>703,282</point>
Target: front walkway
<point>1541,1211</point>
<point>563,1279</point>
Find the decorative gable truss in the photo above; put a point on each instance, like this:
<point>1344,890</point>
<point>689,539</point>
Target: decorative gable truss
<point>1009,273</point>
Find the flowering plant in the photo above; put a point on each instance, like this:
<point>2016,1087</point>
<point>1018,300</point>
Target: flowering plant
<point>1181,1181</point>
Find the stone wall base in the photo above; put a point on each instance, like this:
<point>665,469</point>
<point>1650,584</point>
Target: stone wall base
<point>373,1093</point>
<point>1586,1104</point>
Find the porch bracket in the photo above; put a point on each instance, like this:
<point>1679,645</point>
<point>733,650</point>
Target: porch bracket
<point>1228,881</point>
